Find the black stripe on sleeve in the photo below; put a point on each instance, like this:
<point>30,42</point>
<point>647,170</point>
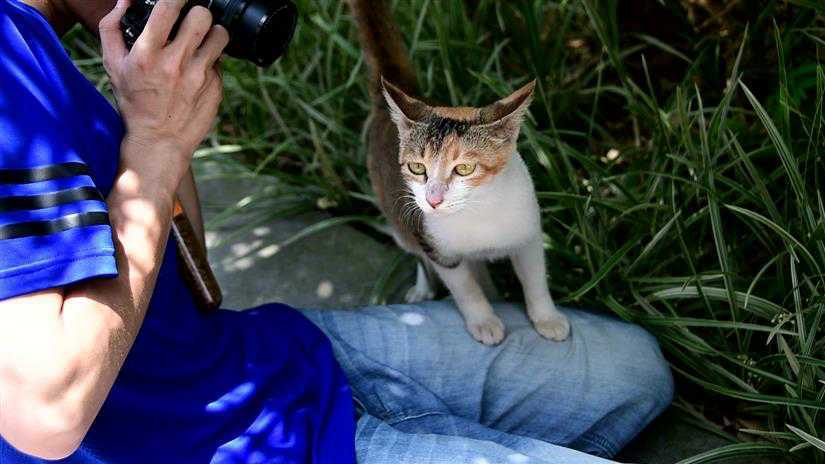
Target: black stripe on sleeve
<point>35,228</point>
<point>42,173</point>
<point>47,200</point>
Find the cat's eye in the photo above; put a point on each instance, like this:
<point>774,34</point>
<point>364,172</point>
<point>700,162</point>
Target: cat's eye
<point>465,169</point>
<point>417,168</point>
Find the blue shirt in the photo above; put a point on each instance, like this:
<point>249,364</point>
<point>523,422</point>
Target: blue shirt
<point>253,386</point>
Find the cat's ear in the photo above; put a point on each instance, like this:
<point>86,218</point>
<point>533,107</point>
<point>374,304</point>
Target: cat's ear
<point>503,118</point>
<point>404,109</point>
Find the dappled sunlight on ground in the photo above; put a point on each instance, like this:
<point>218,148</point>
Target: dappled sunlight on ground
<point>325,290</point>
<point>336,268</point>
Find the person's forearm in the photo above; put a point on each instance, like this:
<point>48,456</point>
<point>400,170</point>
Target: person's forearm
<point>140,210</point>
<point>98,322</point>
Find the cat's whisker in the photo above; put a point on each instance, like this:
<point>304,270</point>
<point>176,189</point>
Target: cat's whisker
<point>404,196</point>
<point>471,205</point>
<point>408,213</point>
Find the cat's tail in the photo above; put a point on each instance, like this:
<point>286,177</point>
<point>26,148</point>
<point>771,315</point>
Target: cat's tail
<point>384,49</point>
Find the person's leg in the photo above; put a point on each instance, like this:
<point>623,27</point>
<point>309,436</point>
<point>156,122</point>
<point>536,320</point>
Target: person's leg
<point>378,442</point>
<point>592,392</point>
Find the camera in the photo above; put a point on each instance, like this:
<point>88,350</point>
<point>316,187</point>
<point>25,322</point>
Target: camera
<point>259,30</point>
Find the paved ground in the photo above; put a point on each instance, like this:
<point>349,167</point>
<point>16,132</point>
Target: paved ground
<point>339,268</point>
<point>336,268</point>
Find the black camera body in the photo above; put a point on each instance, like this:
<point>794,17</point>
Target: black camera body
<point>259,30</point>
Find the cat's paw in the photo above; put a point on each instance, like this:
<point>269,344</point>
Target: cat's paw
<point>416,294</point>
<point>489,331</point>
<point>556,327</point>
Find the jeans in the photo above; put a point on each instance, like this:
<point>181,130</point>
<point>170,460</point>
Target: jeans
<point>428,393</point>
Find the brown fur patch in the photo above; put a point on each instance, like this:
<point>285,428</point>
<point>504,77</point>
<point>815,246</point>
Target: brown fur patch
<point>459,113</point>
<point>485,174</point>
<point>452,148</point>
<point>384,48</point>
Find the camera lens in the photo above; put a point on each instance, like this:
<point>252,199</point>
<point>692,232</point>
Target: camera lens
<point>261,30</point>
<point>275,33</point>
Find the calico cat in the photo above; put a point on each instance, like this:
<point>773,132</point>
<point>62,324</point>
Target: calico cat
<point>452,186</point>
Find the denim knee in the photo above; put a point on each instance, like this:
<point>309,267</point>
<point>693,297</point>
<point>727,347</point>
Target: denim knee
<point>641,387</point>
<point>652,374</point>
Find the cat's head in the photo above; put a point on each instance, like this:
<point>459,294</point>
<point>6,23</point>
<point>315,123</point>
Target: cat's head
<point>448,154</point>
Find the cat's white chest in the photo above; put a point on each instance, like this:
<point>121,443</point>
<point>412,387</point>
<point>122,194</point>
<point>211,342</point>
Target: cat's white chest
<point>501,219</point>
<point>488,237</point>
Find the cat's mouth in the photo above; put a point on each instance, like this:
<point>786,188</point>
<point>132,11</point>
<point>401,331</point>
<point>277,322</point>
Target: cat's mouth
<point>444,209</point>
<point>435,206</point>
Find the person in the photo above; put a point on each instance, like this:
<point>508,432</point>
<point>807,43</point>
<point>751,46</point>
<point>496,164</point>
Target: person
<point>104,357</point>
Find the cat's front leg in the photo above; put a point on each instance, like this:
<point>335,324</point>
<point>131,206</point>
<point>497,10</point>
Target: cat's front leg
<point>528,262</point>
<point>479,318</point>
<point>423,289</point>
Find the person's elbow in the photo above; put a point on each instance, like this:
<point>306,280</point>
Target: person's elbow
<point>36,418</point>
<point>52,353</point>
<point>56,370</point>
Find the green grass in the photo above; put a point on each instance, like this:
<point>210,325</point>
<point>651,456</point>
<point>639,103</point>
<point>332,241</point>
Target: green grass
<point>679,164</point>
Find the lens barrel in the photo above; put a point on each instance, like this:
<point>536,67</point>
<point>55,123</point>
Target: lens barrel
<point>259,30</point>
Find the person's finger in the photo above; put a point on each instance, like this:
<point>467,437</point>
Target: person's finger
<point>164,16</point>
<point>210,98</point>
<point>194,28</point>
<point>212,47</point>
<point>111,37</point>
<point>212,78</point>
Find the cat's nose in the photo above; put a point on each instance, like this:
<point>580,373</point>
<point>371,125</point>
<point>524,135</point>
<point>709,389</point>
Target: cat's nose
<point>435,198</point>
<point>434,193</point>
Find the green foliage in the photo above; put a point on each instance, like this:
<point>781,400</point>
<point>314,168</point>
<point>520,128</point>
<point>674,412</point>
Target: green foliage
<point>679,164</point>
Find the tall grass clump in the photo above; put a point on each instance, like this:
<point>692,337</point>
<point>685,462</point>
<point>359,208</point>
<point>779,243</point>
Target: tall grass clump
<point>677,148</point>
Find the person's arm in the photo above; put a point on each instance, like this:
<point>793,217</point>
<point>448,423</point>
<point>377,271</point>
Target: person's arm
<point>61,349</point>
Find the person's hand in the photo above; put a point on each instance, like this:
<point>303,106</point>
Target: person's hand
<point>168,92</point>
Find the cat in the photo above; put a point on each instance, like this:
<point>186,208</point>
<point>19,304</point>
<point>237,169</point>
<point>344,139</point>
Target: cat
<point>452,186</point>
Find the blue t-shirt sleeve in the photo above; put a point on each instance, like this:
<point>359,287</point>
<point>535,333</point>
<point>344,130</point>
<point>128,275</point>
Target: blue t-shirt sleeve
<point>54,225</point>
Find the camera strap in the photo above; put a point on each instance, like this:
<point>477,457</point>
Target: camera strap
<point>195,269</point>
